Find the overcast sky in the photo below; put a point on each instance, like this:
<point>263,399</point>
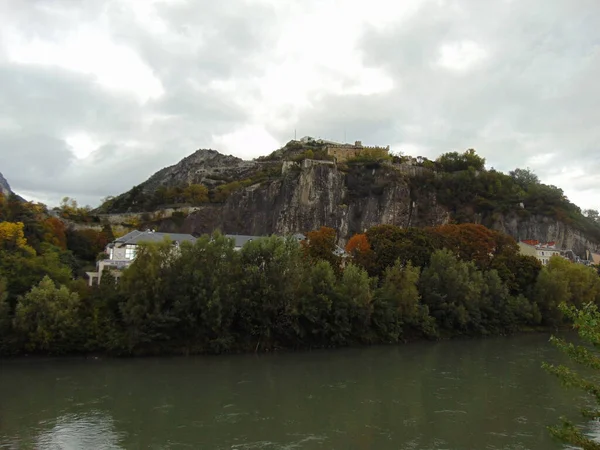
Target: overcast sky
<point>97,95</point>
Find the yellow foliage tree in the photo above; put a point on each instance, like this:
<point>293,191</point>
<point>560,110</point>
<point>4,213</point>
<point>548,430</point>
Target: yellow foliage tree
<point>12,237</point>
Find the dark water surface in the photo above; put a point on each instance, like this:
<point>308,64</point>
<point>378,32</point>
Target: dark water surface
<point>472,394</point>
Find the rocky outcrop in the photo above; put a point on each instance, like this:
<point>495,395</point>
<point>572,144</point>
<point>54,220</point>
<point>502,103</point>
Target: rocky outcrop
<point>4,186</point>
<point>545,229</point>
<point>319,194</point>
<point>207,167</point>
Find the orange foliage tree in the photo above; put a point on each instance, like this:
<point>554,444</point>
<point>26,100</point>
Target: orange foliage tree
<point>471,242</point>
<point>321,244</point>
<point>55,232</point>
<point>360,249</point>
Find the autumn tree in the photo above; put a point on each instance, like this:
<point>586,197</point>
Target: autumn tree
<point>390,243</point>
<point>359,248</point>
<point>12,238</point>
<point>56,232</point>
<point>321,244</point>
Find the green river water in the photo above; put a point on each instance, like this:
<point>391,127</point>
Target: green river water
<point>463,394</point>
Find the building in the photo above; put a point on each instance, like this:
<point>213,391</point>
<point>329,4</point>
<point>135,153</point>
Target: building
<point>239,240</point>
<point>543,252</point>
<point>344,152</point>
<point>122,251</point>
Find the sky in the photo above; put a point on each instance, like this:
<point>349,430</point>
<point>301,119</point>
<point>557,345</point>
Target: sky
<point>97,95</point>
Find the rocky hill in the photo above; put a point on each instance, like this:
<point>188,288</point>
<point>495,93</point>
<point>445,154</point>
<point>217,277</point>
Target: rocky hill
<point>4,186</point>
<point>297,189</point>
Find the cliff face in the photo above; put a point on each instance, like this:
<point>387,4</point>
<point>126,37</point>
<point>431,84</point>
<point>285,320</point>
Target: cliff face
<point>4,186</point>
<point>275,195</point>
<point>317,194</point>
<point>545,229</point>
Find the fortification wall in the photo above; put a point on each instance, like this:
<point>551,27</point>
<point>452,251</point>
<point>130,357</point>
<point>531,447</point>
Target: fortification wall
<point>343,153</point>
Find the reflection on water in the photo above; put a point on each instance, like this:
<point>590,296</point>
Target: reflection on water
<point>487,394</point>
<point>93,430</point>
<point>73,432</point>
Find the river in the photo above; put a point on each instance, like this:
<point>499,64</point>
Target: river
<point>463,394</point>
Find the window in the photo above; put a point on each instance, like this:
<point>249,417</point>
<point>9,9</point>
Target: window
<point>130,252</point>
<point>110,253</point>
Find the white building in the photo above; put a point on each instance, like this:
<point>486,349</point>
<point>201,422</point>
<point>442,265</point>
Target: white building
<point>122,251</point>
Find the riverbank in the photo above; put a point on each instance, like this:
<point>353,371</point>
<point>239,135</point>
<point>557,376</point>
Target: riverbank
<point>266,350</point>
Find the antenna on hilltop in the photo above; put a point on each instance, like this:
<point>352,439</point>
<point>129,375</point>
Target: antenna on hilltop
<point>294,134</point>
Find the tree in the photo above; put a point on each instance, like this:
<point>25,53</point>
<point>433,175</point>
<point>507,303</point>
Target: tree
<point>452,290</point>
<point>592,214</point>
<point>399,311</point>
<point>316,304</point>
<point>586,321</point>
<point>524,177</point>
<point>204,287</point>
<point>359,248</point>
<point>195,194</point>
<point>354,306</point>
<point>271,285</point>
<point>321,244</point>
<point>454,161</point>
<point>12,238</point>
<point>56,232</point>
<point>46,318</point>
<point>5,325</point>
<point>148,314</point>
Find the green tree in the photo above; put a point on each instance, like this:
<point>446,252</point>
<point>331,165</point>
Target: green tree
<point>46,318</point>
<point>272,277</point>
<point>204,286</point>
<point>316,304</point>
<point>354,306</point>
<point>148,314</point>
<point>452,290</point>
<point>5,320</point>
<point>586,321</point>
<point>524,177</point>
<point>398,309</point>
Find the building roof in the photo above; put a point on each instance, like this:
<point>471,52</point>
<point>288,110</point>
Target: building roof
<point>135,237</point>
<point>241,239</point>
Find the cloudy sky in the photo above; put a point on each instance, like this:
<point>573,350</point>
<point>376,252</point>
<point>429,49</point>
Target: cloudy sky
<point>96,95</point>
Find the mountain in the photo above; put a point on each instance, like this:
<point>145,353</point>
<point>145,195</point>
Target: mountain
<point>4,186</point>
<point>299,188</point>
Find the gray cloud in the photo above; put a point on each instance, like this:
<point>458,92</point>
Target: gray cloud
<point>533,94</point>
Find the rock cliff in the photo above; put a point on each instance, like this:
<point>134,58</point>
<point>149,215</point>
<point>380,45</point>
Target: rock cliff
<point>4,186</point>
<point>287,192</point>
<point>315,194</point>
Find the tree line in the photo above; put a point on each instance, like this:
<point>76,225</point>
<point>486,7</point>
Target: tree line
<point>395,285</point>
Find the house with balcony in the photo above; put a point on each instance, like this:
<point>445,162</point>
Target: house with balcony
<point>122,251</point>
<point>542,251</point>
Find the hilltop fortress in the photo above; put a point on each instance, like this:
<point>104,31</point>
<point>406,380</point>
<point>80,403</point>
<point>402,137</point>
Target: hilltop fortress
<point>343,152</point>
